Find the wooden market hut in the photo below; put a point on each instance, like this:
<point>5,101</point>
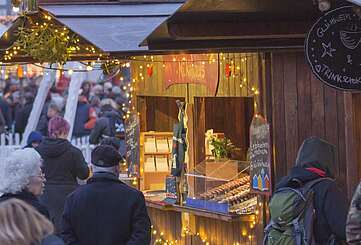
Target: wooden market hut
<point>272,33</point>
<point>295,102</point>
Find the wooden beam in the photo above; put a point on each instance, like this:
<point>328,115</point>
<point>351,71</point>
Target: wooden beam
<point>238,30</point>
<point>230,45</point>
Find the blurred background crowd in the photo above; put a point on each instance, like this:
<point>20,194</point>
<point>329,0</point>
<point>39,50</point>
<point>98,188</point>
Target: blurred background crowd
<point>100,110</point>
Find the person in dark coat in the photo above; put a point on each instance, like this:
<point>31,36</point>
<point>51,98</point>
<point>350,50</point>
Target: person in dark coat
<point>23,113</point>
<point>316,159</point>
<point>3,125</point>
<point>63,164</point>
<point>21,178</point>
<point>85,118</point>
<point>86,88</point>
<point>109,124</point>
<point>53,111</point>
<point>106,210</point>
<point>6,111</point>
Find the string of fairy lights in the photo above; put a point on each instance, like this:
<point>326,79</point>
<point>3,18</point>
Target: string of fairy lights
<point>233,69</point>
<point>44,39</point>
<point>160,238</point>
<point>144,68</point>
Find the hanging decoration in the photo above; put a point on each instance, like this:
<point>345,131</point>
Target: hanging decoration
<point>43,39</point>
<point>44,42</point>
<point>228,70</point>
<point>149,70</point>
<point>20,71</point>
<point>110,67</point>
<point>191,69</point>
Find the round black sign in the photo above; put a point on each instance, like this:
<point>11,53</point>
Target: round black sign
<point>333,49</point>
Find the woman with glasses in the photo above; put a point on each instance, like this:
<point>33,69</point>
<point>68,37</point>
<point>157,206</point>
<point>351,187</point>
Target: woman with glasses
<point>21,178</point>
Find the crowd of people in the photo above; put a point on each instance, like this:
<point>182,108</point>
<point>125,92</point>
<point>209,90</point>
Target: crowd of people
<point>99,111</point>
<point>41,201</point>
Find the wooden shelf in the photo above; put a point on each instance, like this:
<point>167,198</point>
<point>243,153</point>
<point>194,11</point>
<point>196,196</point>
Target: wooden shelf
<point>157,172</point>
<point>158,134</point>
<point>159,149</point>
<point>157,153</point>
<point>200,212</point>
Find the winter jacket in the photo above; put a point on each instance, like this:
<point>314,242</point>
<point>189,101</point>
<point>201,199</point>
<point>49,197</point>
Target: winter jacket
<point>52,240</point>
<point>6,111</point>
<point>353,227</point>
<point>105,126</point>
<point>106,211</point>
<point>85,118</point>
<point>3,125</point>
<point>316,159</point>
<point>63,164</point>
<point>21,117</point>
<point>30,199</point>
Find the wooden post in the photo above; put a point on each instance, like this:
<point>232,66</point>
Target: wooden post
<point>45,85</point>
<point>351,147</point>
<point>72,101</point>
<point>190,148</point>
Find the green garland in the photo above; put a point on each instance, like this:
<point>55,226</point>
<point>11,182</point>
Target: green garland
<point>44,42</point>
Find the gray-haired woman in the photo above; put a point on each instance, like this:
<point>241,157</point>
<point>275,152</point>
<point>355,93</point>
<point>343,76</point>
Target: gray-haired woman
<point>21,178</point>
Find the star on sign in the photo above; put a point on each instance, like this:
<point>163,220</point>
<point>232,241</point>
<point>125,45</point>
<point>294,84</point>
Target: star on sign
<point>327,49</point>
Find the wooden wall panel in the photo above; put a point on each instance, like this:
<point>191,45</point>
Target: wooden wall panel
<point>278,123</point>
<point>168,222</point>
<point>158,113</point>
<point>215,231</point>
<point>291,112</point>
<point>304,103</point>
<point>342,141</point>
<point>229,115</point>
<point>200,128</point>
<point>355,171</point>
<point>303,107</point>
<point>318,109</point>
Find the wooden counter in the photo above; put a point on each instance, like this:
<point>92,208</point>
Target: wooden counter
<point>219,229</point>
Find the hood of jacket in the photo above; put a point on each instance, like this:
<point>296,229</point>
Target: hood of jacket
<point>51,147</point>
<point>313,153</point>
<point>317,153</point>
